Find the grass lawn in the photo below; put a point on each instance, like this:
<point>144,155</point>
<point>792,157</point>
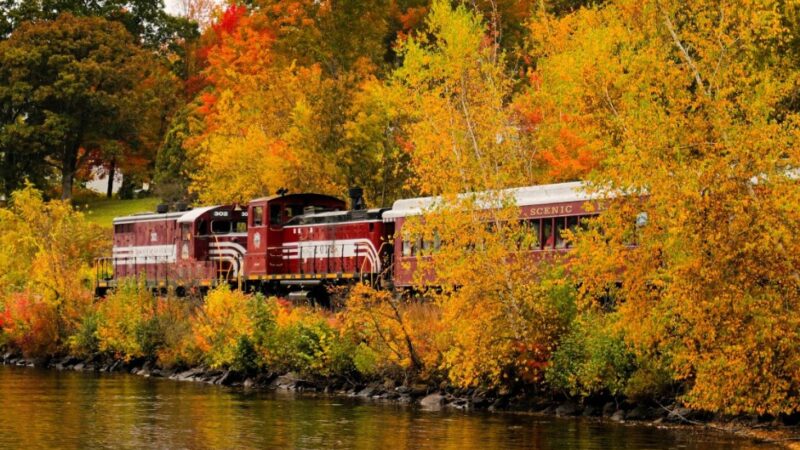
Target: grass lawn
<point>102,211</point>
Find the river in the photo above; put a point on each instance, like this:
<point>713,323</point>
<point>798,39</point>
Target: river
<point>47,409</point>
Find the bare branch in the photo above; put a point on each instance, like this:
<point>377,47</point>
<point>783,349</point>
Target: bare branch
<point>685,54</point>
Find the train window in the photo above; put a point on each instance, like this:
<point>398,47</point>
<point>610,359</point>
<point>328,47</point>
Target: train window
<point>427,247</point>
<point>528,235</point>
<point>547,233</point>
<point>257,217</point>
<point>241,226</point>
<point>294,211</point>
<point>220,226</point>
<point>573,223</point>
<point>124,228</point>
<point>186,231</point>
<point>437,241</point>
<point>406,247</point>
<point>583,222</point>
<point>275,215</point>
<point>536,231</point>
<point>560,226</point>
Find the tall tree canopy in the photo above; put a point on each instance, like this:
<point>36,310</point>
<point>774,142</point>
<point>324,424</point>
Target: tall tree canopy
<point>73,89</point>
<point>689,102</point>
<point>145,19</point>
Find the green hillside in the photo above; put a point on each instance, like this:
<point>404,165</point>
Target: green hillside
<point>103,211</point>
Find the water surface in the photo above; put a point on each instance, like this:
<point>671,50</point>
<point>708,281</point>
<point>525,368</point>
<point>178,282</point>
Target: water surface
<point>47,409</point>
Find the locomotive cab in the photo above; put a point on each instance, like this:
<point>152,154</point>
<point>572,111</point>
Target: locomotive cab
<point>266,219</point>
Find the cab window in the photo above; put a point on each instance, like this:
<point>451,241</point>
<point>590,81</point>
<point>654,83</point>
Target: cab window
<point>257,216</point>
<point>275,215</point>
<point>220,227</point>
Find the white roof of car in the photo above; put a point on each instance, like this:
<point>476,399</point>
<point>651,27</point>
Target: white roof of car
<point>524,196</point>
<point>181,216</point>
<point>191,216</point>
<point>147,217</point>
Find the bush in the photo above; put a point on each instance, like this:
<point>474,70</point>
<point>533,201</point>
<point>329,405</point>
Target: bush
<point>85,341</point>
<point>126,326</point>
<point>32,325</point>
<point>174,332</point>
<point>391,335</point>
<point>366,360</point>
<point>591,359</point>
<point>305,341</point>
<point>221,323</point>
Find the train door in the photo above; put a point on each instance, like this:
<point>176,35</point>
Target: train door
<point>185,251</point>
<point>275,251</point>
<point>257,239</point>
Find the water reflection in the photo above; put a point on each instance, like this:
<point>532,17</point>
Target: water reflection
<point>46,409</point>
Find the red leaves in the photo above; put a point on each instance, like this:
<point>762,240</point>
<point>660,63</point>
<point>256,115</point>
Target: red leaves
<point>31,324</point>
<point>571,157</point>
<point>230,20</point>
<point>412,18</point>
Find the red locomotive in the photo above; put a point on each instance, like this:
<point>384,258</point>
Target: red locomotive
<point>300,244</point>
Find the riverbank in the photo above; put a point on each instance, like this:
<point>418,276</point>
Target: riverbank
<point>440,398</point>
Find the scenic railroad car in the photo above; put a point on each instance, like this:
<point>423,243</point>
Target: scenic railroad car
<point>547,209</point>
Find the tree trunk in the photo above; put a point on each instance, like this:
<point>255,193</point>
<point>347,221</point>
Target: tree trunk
<point>68,167</point>
<point>111,171</point>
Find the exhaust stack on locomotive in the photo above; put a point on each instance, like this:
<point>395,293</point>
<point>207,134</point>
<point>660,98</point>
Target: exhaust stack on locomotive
<point>357,199</point>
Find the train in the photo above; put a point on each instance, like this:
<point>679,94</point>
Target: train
<point>303,245</point>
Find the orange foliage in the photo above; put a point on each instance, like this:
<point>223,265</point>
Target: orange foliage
<point>32,325</point>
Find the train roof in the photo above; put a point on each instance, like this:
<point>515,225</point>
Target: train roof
<point>524,196</point>
<point>188,216</point>
<point>289,195</point>
<point>148,217</point>
<point>191,216</point>
<point>326,217</point>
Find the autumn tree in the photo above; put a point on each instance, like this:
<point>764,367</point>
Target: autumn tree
<point>144,19</point>
<point>199,11</point>
<point>73,89</point>
<point>689,103</point>
<point>295,114</point>
<point>456,91</point>
<point>499,314</point>
<point>46,254</point>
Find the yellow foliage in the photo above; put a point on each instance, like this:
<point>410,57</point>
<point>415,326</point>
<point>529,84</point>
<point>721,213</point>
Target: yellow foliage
<point>690,101</point>
<point>463,132</point>
<point>218,325</point>
<point>123,315</point>
<point>46,251</point>
<point>401,333</point>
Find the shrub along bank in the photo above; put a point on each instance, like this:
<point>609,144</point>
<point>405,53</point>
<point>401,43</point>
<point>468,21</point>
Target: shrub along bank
<point>377,347</point>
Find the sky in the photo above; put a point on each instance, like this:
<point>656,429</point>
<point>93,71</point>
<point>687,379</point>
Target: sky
<point>172,6</point>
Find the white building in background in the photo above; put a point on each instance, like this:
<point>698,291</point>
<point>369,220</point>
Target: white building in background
<point>99,181</point>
